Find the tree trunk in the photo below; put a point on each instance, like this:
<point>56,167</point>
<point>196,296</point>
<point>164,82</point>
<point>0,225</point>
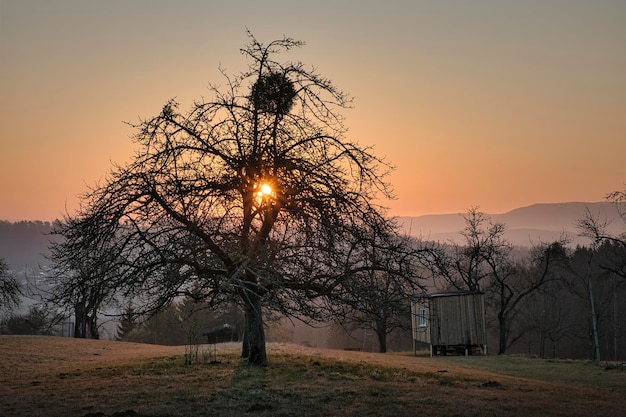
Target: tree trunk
<point>245,350</point>
<point>615,328</point>
<point>381,332</point>
<point>254,336</point>
<point>94,333</point>
<point>502,331</point>
<point>542,343</point>
<point>80,320</point>
<point>594,324</point>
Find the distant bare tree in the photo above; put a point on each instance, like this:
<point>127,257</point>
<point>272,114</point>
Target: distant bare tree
<point>377,297</point>
<point>514,281</point>
<point>471,264</point>
<point>85,271</point>
<point>601,292</point>
<point>547,314</point>
<point>484,262</point>
<point>10,291</point>
<point>591,226</point>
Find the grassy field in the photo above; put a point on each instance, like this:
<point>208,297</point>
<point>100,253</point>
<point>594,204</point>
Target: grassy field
<point>48,376</point>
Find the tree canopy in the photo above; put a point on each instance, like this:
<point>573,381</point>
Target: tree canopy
<point>255,195</point>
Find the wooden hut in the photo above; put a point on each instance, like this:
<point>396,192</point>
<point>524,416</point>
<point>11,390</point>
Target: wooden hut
<point>221,334</point>
<point>450,322</point>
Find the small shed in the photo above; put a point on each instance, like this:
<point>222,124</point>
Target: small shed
<point>221,334</point>
<point>450,322</point>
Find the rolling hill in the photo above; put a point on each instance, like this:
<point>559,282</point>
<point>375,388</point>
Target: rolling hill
<point>525,226</point>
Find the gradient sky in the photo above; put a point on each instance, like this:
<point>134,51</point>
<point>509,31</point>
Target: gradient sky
<point>490,103</point>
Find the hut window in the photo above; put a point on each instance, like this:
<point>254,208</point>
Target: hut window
<point>421,314</point>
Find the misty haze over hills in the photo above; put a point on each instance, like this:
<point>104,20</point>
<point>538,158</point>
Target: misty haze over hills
<point>23,245</point>
<point>525,226</point>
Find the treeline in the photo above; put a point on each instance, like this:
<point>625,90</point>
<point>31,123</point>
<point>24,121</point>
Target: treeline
<point>181,322</point>
<point>38,320</point>
<point>581,313</point>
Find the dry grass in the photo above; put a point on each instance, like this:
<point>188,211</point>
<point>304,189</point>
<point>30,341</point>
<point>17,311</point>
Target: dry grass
<point>46,376</point>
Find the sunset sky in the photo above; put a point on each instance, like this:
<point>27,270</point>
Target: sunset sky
<point>490,103</point>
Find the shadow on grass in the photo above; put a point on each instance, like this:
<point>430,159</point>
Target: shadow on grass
<point>301,386</point>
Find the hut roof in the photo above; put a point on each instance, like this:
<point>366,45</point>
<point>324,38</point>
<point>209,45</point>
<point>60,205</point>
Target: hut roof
<point>446,294</point>
<point>216,329</point>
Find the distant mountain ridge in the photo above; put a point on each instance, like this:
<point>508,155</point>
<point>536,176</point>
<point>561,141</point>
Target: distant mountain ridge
<point>525,226</point>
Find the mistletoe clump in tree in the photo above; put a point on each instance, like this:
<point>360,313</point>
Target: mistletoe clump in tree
<point>254,196</point>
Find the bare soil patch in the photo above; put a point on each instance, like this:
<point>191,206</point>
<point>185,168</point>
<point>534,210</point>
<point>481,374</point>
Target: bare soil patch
<point>48,376</point>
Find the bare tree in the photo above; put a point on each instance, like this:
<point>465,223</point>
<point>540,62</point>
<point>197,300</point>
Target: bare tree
<point>512,282</point>
<point>600,290</point>
<point>484,262</point>
<point>547,314</point>
<point>470,265</point>
<point>583,268</point>
<point>85,271</point>
<point>612,248</point>
<point>254,196</point>
<point>377,297</point>
<point>591,226</point>
<point>10,291</point>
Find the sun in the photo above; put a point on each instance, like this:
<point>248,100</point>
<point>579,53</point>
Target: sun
<point>265,190</point>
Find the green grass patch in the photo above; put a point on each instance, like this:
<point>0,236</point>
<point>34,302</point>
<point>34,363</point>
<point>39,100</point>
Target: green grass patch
<point>601,375</point>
